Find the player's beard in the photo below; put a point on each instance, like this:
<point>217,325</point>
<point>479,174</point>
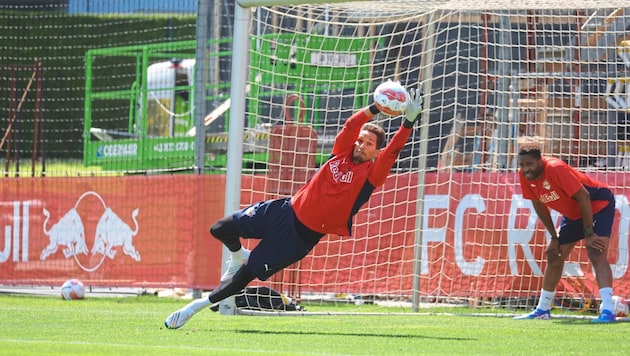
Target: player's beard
<point>534,173</point>
<point>358,156</point>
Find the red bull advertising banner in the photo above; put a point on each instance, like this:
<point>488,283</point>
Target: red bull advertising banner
<point>479,236</point>
<point>111,231</point>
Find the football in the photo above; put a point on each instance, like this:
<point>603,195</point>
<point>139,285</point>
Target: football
<point>391,98</point>
<point>620,307</point>
<point>72,289</point>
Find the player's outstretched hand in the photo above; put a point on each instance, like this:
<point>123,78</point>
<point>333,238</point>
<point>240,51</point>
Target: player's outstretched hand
<point>414,106</point>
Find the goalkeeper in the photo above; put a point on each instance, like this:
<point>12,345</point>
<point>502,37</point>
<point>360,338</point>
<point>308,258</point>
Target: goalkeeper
<point>289,228</point>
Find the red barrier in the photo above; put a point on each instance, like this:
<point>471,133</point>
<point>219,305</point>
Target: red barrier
<point>479,240</point>
<point>123,231</point>
<point>480,237</point>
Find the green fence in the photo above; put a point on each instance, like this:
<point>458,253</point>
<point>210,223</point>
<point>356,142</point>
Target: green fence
<point>281,64</point>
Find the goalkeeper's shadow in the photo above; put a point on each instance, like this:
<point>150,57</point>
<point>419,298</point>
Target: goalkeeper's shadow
<point>581,320</point>
<point>336,333</point>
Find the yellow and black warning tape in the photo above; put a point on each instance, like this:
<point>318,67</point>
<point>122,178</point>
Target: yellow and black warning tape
<point>259,136</point>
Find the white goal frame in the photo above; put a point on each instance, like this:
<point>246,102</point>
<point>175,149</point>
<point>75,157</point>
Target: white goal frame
<point>242,18</point>
<point>239,70</point>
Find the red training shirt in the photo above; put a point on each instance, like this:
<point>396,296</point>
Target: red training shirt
<point>329,200</point>
<point>556,186</point>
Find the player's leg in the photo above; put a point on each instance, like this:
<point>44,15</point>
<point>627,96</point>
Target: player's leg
<point>551,278</point>
<point>603,275</point>
<point>271,221</point>
<point>280,246</point>
<point>225,231</point>
<point>233,285</point>
<point>570,230</point>
<point>555,265</point>
<point>178,318</point>
<point>603,272</point>
<point>603,221</point>
<point>283,244</point>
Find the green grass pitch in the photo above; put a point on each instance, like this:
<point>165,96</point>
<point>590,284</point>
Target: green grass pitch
<point>36,325</point>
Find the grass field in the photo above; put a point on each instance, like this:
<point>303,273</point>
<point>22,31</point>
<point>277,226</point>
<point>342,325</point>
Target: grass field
<point>134,326</point>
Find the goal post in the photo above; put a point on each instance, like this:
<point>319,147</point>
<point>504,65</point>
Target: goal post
<point>450,223</point>
<point>240,46</point>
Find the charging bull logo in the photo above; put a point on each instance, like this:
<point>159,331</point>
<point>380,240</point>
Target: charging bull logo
<point>110,233</point>
<point>69,232</point>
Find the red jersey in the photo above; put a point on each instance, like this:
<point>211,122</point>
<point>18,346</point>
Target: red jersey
<point>557,185</point>
<point>329,200</point>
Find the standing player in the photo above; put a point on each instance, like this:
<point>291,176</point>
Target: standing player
<point>289,228</point>
<point>588,209</point>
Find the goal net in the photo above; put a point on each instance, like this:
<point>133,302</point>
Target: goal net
<point>103,101</point>
<point>450,224</point>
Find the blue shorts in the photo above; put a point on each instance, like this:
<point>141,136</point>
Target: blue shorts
<point>573,230</point>
<point>273,222</point>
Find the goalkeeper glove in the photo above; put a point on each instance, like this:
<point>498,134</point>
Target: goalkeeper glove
<point>414,107</point>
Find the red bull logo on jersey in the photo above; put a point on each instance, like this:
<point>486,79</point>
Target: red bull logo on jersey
<point>111,233</point>
<point>338,174</point>
<point>549,197</point>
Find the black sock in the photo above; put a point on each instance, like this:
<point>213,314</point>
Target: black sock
<point>232,286</point>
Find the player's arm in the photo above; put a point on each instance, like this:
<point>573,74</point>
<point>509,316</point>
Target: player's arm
<point>387,157</point>
<point>584,202</point>
<point>386,99</point>
<point>545,217</point>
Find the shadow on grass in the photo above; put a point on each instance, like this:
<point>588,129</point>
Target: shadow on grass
<point>295,333</point>
<point>587,321</point>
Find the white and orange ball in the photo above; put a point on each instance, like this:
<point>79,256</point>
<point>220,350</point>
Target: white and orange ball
<point>72,289</point>
<point>391,98</point>
<point>620,307</point>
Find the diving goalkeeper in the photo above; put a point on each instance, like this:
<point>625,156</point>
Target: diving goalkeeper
<point>289,228</point>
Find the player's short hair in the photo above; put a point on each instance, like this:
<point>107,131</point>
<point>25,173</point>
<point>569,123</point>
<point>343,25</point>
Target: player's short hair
<point>531,149</point>
<point>378,131</point>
